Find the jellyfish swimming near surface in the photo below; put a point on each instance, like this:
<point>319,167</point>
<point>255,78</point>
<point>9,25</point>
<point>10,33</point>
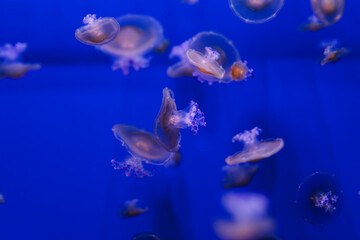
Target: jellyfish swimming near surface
<point>238,175</point>
<point>138,36</point>
<point>254,150</point>
<point>210,57</point>
<point>169,121</point>
<point>12,67</point>
<point>256,11</point>
<point>331,52</point>
<point>145,236</point>
<point>130,209</point>
<point>319,198</point>
<point>250,218</point>
<point>97,31</point>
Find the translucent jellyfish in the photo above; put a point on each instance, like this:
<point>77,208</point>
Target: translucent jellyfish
<point>238,175</point>
<point>250,219</point>
<point>145,236</point>
<point>138,36</point>
<point>328,11</point>
<point>12,67</point>
<point>254,150</point>
<point>313,24</point>
<point>2,199</point>
<point>162,46</point>
<point>256,11</point>
<point>130,209</point>
<point>319,198</point>
<point>331,52</point>
<point>169,121</point>
<point>210,57</point>
<point>97,31</point>
<point>190,2</point>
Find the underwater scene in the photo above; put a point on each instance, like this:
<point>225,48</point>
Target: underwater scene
<point>179,120</point>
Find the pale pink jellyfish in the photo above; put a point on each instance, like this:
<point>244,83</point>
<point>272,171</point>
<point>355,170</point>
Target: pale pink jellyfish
<point>137,37</point>
<point>210,57</point>
<point>130,209</point>
<point>12,67</point>
<point>331,52</point>
<point>254,150</point>
<point>97,31</point>
<point>328,11</point>
<point>169,121</point>
<point>250,219</point>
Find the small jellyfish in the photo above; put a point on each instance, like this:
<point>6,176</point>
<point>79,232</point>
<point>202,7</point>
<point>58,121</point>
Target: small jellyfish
<point>328,11</point>
<point>210,57</point>
<point>313,24</point>
<point>331,52</point>
<point>12,67</point>
<point>145,236</point>
<point>97,31</point>
<point>2,199</point>
<point>138,36</point>
<point>130,209</point>
<point>319,198</point>
<point>256,11</point>
<point>254,150</point>
<point>169,121</point>
<point>190,2</point>
<point>250,219</point>
<point>162,46</point>
<point>238,175</point>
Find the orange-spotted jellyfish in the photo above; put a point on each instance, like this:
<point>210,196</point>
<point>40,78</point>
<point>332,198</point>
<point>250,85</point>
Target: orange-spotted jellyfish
<point>169,121</point>
<point>254,150</point>
<point>332,53</point>
<point>11,66</point>
<point>131,209</point>
<point>138,36</point>
<point>256,11</point>
<point>210,57</point>
<point>97,31</point>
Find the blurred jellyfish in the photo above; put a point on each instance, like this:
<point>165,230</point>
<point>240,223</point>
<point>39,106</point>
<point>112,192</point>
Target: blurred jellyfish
<point>169,121</point>
<point>143,148</point>
<point>145,236</point>
<point>2,199</point>
<point>254,150</point>
<point>238,175</point>
<point>12,67</point>
<point>331,52</point>
<point>256,11</point>
<point>210,57</point>
<point>250,219</point>
<point>175,161</point>
<point>97,31</point>
<point>138,36</point>
<point>190,2</point>
<point>313,24</point>
<point>162,46</point>
<point>130,209</point>
<point>319,198</point>
<point>328,11</point>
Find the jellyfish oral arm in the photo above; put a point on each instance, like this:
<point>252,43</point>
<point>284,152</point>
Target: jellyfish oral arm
<point>124,63</point>
<point>326,201</point>
<point>132,167</point>
<point>89,19</point>
<point>248,137</point>
<point>12,53</point>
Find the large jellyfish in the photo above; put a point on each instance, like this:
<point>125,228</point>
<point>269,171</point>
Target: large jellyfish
<point>169,121</point>
<point>256,11</point>
<point>210,57</point>
<point>143,148</point>
<point>319,198</point>
<point>250,218</point>
<point>254,150</point>
<point>331,52</point>
<point>238,175</point>
<point>130,209</point>
<point>97,31</point>
<point>145,236</point>
<point>138,36</point>
<point>12,67</point>
<point>328,11</point>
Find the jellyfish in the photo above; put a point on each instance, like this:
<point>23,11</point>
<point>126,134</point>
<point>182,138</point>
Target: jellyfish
<point>331,52</point>
<point>313,24</point>
<point>175,161</point>
<point>328,11</point>
<point>2,199</point>
<point>238,175</point>
<point>12,67</point>
<point>145,236</point>
<point>250,219</point>
<point>319,198</point>
<point>138,36</point>
<point>130,209</point>
<point>254,150</point>
<point>190,2</point>
<point>256,11</point>
<point>143,148</point>
<point>169,121</point>
<point>162,46</point>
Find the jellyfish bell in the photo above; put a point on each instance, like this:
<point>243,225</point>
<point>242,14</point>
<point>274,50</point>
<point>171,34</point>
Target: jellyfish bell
<point>16,70</point>
<point>145,236</point>
<point>254,150</point>
<point>238,175</point>
<point>130,209</point>
<point>256,11</point>
<point>328,11</point>
<point>319,198</point>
